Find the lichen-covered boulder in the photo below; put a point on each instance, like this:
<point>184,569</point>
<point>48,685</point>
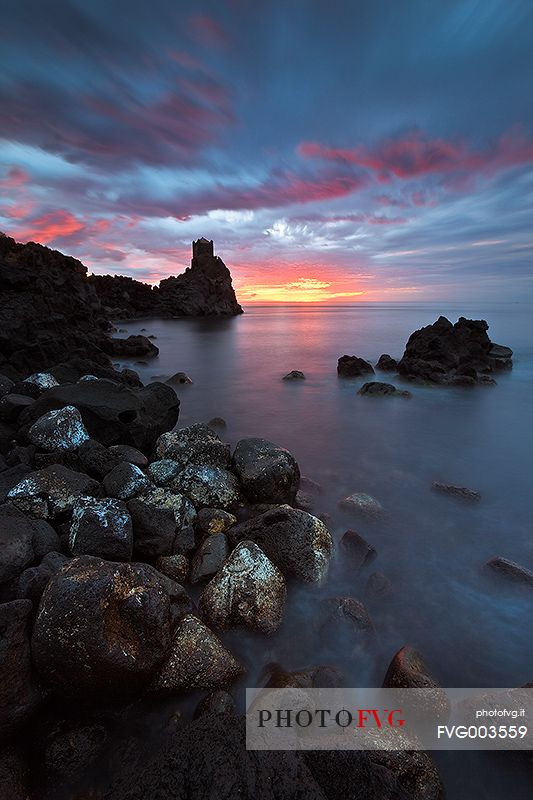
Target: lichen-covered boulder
<point>19,693</point>
<point>101,528</point>
<point>299,544</point>
<point>162,523</point>
<point>268,473</point>
<point>101,627</point>
<point>209,557</point>
<point>197,660</point>
<point>197,444</point>
<point>125,481</point>
<point>50,493</point>
<point>248,590</point>
<point>208,486</point>
<point>163,471</point>
<point>62,429</point>
<point>214,520</point>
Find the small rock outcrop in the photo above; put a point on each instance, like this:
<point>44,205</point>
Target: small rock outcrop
<point>379,389</point>
<point>456,354</point>
<point>268,473</point>
<point>353,367</point>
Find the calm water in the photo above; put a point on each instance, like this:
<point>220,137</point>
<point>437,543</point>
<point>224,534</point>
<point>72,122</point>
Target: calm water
<point>471,631</point>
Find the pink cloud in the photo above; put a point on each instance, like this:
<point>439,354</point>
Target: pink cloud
<point>208,31</point>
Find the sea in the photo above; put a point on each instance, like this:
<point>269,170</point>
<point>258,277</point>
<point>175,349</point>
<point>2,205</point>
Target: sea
<point>472,630</point>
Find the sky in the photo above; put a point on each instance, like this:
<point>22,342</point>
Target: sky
<point>356,150</point>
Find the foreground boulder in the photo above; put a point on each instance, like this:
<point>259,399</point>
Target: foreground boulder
<point>162,523</point>
<point>248,590</point>
<point>125,481</point>
<point>197,444</point>
<point>214,520</point>
<point>50,493</point>
<point>19,693</point>
<point>446,353</point>
<point>114,413</point>
<point>31,583</point>
<point>101,626</point>
<point>299,544</point>
<point>209,557</point>
<point>59,430</point>
<point>101,528</point>
<point>209,486</point>
<point>353,367</point>
<point>268,473</point>
<point>23,541</point>
<point>197,660</point>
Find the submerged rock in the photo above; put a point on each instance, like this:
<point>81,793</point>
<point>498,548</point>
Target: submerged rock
<point>197,444</point>
<point>217,422</point>
<point>131,347</point>
<point>347,617</point>
<point>510,570</point>
<point>197,660</point>
<point>456,491</point>
<point>353,367</point>
<point>19,692</point>
<point>51,492</point>
<point>359,552</point>
<point>125,481</point>
<point>62,429</point>
<point>299,544</point>
<point>268,473</point>
<point>248,590</point>
<point>101,528</point>
<point>362,503</point>
<point>294,375</point>
<point>209,557</point>
<point>377,586</point>
<point>180,377</point>
<point>162,523</point>
<point>379,389</point>
<point>101,626</point>
<point>208,486</point>
<point>386,363</point>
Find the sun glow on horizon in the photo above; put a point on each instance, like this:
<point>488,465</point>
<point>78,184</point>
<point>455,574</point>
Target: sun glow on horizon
<point>301,290</point>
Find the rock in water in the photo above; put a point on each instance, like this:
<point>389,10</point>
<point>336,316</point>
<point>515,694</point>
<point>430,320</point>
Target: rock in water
<point>360,553</point>
<point>101,528</point>
<point>353,367</point>
<point>510,570</point>
<point>197,660</point>
<point>299,544</point>
<point>446,353</point>
<point>386,363</point>
<point>268,473</point>
<point>114,413</point>
<point>62,429</point>
<point>19,693</point>
<point>101,627</point>
<point>248,590</point>
<point>379,389</point>
<point>362,503</point>
<point>456,491</point>
<point>294,375</point>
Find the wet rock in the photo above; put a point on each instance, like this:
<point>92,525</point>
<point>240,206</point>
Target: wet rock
<point>408,670</point>
<point>358,551</point>
<point>19,693</point>
<point>378,586</point>
<point>101,528</point>
<point>349,618</point>
<point>268,473</point>
<point>162,523</point>
<point>31,583</point>
<point>209,557</point>
<point>162,472</point>
<point>217,702</point>
<point>50,493</point>
<point>131,347</point>
<point>386,363</point>
<point>456,491</point>
<point>445,353</point>
<point>130,454</point>
<point>353,367</point>
<point>114,413</point>
<point>294,375</point>
<point>510,570</point>
<point>197,444</point>
<point>12,406</point>
<point>95,459</point>
<point>379,389</point>
<point>125,481</point>
<point>180,378</point>
<point>10,477</point>
<point>318,677</point>
<point>174,567</point>
<point>217,422</point>
<point>42,380</point>
<point>197,660</point>
<point>248,590</point>
<point>62,429</point>
<point>309,485</point>
<point>6,385</point>
<point>101,627</point>
<point>208,486</point>
<point>416,775</point>
<point>299,544</point>
<point>362,504</point>
<point>214,520</point>
<point>304,500</point>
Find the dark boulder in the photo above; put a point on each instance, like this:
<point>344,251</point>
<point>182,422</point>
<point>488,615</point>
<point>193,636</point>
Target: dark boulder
<point>114,413</point>
<point>10,477</point>
<point>162,472</point>
<point>162,523</point>
<point>456,354</point>
<point>299,544</point>
<point>180,378</point>
<point>358,551</point>
<point>132,347</point>
<point>31,583</point>
<point>208,486</point>
<point>346,617</point>
<point>294,375</point>
<point>214,520</point>
<point>101,627</point>
<point>101,528</point>
<point>510,571</point>
<point>130,454</point>
<point>62,429</point>
<point>217,702</point>
<point>268,473</point>
<point>209,557</point>
<point>23,541</point>
<point>174,567</point>
<point>14,774</point>
<point>6,385</point>
<point>19,693</point>
<point>353,367</point>
<point>50,493</point>
<point>378,586</point>
<point>386,363</point>
<point>197,444</point>
<point>96,460</point>
<point>379,389</point>
<point>12,406</point>
<point>125,481</point>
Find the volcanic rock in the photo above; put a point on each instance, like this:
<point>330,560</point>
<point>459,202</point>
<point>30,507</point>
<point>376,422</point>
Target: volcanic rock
<point>353,367</point>
<point>62,429</point>
<point>175,567</point>
<point>456,491</point>
<point>101,528</point>
<point>95,459</point>
<point>197,444</point>
<point>362,504</point>
<point>19,693</point>
<point>162,472</point>
<point>125,481</point>
<point>31,583</point>
<point>268,473</point>
<point>162,523</point>
<point>209,557</point>
<point>51,492</point>
<point>386,363</point>
<point>208,486</point>
<point>214,520</point>
<point>379,389</point>
<point>130,454</point>
<point>23,541</point>
<point>294,375</point>
<point>359,552</point>
<point>510,570</point>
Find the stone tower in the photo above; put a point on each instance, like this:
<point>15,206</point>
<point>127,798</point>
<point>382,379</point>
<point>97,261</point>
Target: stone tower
<point>202,247</point>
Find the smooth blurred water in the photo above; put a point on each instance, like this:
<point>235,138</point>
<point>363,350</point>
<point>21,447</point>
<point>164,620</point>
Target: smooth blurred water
<point>471,630</point>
